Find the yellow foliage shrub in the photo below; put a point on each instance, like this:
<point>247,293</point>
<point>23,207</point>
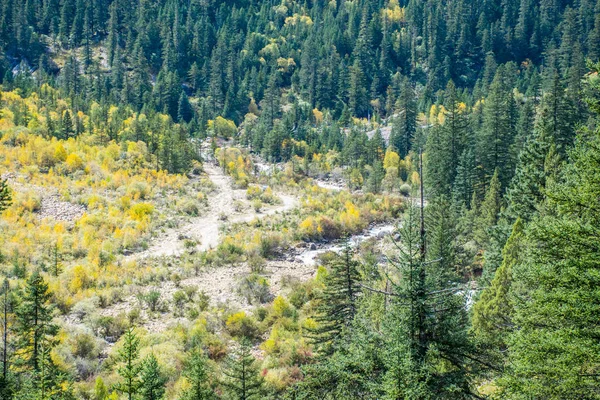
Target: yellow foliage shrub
<point>60,153</point>
<point>223,127</point>
<point>80,279</point>
<point>140,211</point>
<point>241,325</point>
<point>281,307</point>
<point>391,160</point>
<point>74,162</point>
<point>253,192</point>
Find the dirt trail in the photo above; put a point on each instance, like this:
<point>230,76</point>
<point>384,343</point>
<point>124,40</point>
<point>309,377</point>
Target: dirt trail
<point>205,229</point>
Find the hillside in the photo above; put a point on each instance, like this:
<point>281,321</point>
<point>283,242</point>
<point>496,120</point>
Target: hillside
<point>342,199</point>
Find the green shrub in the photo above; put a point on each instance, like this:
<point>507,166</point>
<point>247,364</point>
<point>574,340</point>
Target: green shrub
<point>180,299</point>
<point>110,328</point>
<point>229,251</point>
<point>134,316</point>
<point>405,190</point>
<point>282,308</point>
<point>189,243</point>
<point>300,294</point>
<point>269,244</point>
<point>255,289</point>
<point>241,325</point>
<point>84,345</point>
<point>203,301</point>
<point>268,197</point>
<point>138,190</point>
<point>193,313</point>
<point>151,299</point>
<point>253,192</point>
<point>189,207</point>
<point>256,263</point>
<point>190,291</point>
<point>216,349</point>
<point>261,313</point>
<point>238,206</point>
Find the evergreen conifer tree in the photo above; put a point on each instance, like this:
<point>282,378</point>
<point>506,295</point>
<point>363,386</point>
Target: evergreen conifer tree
<point>497,133</point>
<point>375,177</point>
<point>197,372</point>
<point>338,304</point>
<point>492,314</point>
<point>130,370</point>
<point>184,109</point>
<point>466,178</point>
<point>67,129</point>
<point>489,211</point>
<point>34,327</point>
<point>427,351</point>
<point>553,350</point>
<point>242,378</point>
<point>404,122</point>
<point>5,195</point>
<point>8,305</point>
<point>526,190</point>
<point>438,164</point>
<point>455,125</point>
<point>152,380</point>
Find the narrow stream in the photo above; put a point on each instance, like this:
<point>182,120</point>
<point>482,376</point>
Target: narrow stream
<point>309,257</point>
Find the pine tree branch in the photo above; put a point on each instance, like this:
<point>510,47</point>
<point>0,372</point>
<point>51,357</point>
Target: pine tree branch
<point>380,291</point>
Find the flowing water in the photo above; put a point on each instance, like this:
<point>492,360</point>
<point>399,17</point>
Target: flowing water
<point>309,257</point>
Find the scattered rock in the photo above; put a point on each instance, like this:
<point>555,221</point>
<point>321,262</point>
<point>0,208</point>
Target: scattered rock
<point>313,246</point>
<point>52,206</point>
<point>9,176</point>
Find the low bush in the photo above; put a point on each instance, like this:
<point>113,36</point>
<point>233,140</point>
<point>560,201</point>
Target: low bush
<point>405,190</point>
<point>269,244</point>
<point>84,345</point>
<point>151,299</point>
<point>240,325</point>
<point>255,289</point>
<point>189,207</point>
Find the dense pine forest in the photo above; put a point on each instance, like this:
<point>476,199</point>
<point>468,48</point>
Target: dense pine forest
<point>365,199</point>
